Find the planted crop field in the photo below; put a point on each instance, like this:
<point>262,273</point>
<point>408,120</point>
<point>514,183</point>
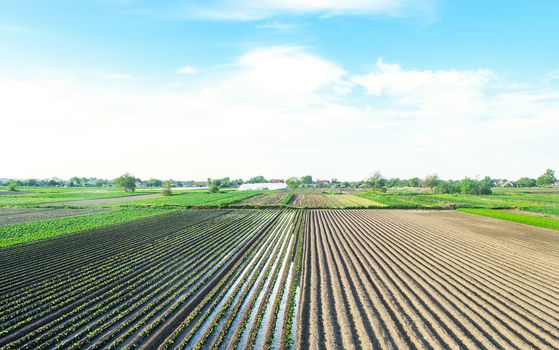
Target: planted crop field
<point>10,216</point>
<point>43,228</point>
<point>101,201</point>
<point>304,200</point>
<point>179,280</point>
<point>265,199</point>
<point>285,279</point>
<point>400,279</point>
<point>195,199</point>
<point>32,197</point>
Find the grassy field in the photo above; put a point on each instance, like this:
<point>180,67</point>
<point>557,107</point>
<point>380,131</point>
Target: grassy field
<point>30,197</point>
<point>194,199</point>
<point>41,229</point>
<point>545,201</point>
<point>532,220</point>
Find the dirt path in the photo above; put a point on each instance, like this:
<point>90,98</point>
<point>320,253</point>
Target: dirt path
<point>423,279</point>
<point>87,202</point>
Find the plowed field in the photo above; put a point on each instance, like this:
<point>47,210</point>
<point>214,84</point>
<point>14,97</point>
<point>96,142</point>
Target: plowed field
<point>286,279</point>
<point>389,279</point>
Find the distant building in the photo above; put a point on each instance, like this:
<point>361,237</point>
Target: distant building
<point>505,184</point>
<point>263,186</point>
<point>277,181</point>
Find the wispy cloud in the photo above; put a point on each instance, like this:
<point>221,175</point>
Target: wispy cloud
<point>278,25</point>
<point>186,70</point>
<point>245,10</point>
<point>277,108</point>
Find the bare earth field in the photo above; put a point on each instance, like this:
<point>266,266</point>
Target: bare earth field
<point>10,216</point>
<point>100,201</point>
<point>401,279</point>
<point>265,199</point>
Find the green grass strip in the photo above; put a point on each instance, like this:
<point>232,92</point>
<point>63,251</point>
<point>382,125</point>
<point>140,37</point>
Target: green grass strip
<point>42,229</point>
<point>287,199</point>
<point>531,220</point>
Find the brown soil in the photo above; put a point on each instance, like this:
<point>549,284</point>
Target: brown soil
<point>423,279</point>
<point>265,199</point>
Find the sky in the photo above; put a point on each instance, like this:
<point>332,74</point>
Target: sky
<point>329,88</point>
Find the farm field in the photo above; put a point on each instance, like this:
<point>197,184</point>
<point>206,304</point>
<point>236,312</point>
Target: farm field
<point>43,228</point>
<point>265,199</point>
<point>34,196</point>
<point>320,200</point>
<point>537,200</point>
<point>185,278</point>
<point>400,279</point>
<point>100,201</point>
<point>10,216</point>
<point>195,199</point>
<point>285,279</point>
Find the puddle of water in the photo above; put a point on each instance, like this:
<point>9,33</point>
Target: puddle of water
<point>281,312</point>
<point>245,302</point>
<point>210,319</point>
<point>268,310</point>
<point>244,336</point>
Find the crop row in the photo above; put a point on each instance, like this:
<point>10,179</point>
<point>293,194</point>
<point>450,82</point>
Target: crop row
<point>387,279</point>
<point>248,308</point>
<point>129,294</point>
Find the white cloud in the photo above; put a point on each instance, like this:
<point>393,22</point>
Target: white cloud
<point>244,10</point>
<point>277,25</point>
<point>280,111</point>
<point>437,93</point>
<point>187,70</point>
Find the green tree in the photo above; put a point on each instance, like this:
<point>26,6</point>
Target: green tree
<point>431,181</point>
<point>475,187</point>
<point>414,182</point>
<point>12,186</point>
<point>292,183</point>
<point>30,182</point>
<point>393,182</point>
<point>257,180</point>
<point>74,181</point>
<point>526,182</point>
<point>154,183</point>
<point>448,187</point>
<point>214,186</point>
<point>167,185</point>
<point>306,180</point>
<point>126,181</point>
<point>547,179</point>
<point>376,181</point>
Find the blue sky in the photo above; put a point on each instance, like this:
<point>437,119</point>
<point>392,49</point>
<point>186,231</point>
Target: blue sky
<point>191,89</point>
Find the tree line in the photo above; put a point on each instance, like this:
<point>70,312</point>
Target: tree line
<point>376,181</point>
